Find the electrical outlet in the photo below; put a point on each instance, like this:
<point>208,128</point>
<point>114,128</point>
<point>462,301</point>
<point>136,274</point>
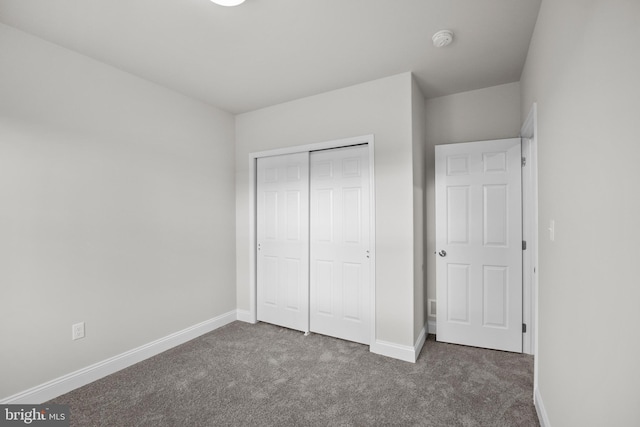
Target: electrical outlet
<point>77,331</point>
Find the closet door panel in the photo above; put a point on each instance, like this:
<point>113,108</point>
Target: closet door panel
<point>339,243</point>
<point>282,251</point>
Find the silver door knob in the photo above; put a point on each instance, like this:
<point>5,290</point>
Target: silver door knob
<point>442,253</point>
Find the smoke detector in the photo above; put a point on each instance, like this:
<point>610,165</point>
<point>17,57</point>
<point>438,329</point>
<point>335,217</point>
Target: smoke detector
<point>228,2</point>
<point>442,38</point>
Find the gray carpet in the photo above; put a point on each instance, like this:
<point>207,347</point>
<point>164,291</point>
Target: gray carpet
<point>263,375</point>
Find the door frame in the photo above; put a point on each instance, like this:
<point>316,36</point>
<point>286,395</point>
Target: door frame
<point>339,143</point>
<point>528,133</point>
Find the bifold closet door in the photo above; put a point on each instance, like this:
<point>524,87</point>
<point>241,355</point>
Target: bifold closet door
<point>283,240</point>
<point>340,295</point>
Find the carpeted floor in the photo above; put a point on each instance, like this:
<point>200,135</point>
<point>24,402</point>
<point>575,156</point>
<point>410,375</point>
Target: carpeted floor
<point>263,375</point>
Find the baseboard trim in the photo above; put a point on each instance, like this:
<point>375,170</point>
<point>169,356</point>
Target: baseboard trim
<point>433,327</point>
<point>84,376</point>
<point>422,337</point>
<point>396,351</point>
<point>246,316</point>
<point>402,352</point>
<point>405,353</point>
<point>542,412</point>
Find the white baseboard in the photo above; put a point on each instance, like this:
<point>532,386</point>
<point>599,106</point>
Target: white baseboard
<point>246,316</point>
<point>542,412</point>
<point>84,376</point>
<point>433,326</point>
<point>417,348</point>
<point>398,351</point>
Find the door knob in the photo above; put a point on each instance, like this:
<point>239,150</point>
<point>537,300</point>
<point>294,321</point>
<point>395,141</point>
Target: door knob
<point>442,253</point>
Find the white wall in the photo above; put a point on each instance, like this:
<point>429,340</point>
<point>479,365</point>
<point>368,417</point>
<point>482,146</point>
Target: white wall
<point>116,201</point>
<point>418,143</point>
<point>583,71</point>
<point>383,108</point>
<point>491,113</point>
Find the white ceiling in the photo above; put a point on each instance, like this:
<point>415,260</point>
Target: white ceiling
<point>265,52</point>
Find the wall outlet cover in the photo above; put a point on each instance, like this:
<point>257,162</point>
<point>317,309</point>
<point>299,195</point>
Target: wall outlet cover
<point>77,331</point>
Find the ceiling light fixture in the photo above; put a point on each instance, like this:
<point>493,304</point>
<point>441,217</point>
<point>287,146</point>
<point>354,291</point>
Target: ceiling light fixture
<point>442,38</point>
<point>228,2</point>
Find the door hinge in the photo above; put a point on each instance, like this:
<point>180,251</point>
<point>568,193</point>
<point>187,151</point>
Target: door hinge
<point>524,161</point>
<point>524,245</point>
<point>524,328</point>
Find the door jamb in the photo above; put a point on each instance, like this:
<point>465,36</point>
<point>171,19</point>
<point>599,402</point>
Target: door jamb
<point>529,131</point>
<point>339,143</point>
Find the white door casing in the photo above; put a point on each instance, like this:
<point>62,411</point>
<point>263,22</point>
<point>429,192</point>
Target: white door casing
<point>479,244</point>
<point>282,217</point>
<point>339,243</point>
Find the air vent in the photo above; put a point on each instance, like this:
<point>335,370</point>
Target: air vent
<point>431,308</point>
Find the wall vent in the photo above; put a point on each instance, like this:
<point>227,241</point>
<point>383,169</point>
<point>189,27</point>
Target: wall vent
<point>431,308</point>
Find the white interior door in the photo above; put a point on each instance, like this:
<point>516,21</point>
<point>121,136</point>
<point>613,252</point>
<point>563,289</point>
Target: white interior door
<point>283,240</point>
<point>479,244</point>
<point>339,243</point>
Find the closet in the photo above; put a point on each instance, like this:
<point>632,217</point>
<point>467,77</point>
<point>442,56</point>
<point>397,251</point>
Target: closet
<point>313,242</point>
